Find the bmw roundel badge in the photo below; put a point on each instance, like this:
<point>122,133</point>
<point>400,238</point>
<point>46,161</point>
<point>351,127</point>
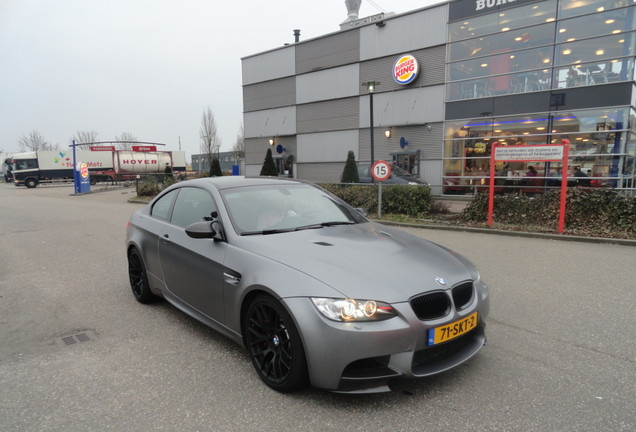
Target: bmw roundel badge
<point>440,281</point>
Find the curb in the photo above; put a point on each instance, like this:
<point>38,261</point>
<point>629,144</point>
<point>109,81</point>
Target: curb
<point>561,237</point>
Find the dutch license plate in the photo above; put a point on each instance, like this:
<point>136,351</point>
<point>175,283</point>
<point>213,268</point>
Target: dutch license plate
<point>452,330</point>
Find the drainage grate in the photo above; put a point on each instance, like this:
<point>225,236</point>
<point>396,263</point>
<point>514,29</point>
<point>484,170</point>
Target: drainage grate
<point>77,338</point>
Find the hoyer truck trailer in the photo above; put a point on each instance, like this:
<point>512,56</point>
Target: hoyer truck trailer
<point>51,166</point>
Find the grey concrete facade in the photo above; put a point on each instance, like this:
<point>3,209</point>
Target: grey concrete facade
<point>488,72</point>
<point>309,99</point>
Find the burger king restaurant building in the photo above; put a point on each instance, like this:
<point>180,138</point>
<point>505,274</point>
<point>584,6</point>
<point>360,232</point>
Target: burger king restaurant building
<point>442,84</point>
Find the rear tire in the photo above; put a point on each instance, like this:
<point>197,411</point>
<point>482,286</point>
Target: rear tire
<point>274,345</point>
<point>139,279</point>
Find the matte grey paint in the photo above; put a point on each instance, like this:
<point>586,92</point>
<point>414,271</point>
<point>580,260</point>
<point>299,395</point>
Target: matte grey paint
<point>363,261</point>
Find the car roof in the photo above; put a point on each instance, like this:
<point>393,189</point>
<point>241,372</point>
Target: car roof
<point>228,182</point>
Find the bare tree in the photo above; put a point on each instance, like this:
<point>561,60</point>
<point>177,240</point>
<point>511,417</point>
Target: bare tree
<point>82,137</point>
<point>34,142</point>
<point>239,145</point>
<point>128,138</point>
<point>210,141</point>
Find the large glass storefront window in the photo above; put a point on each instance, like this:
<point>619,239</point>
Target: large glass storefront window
<point>504,20</point>
<point>570,8</point>
<point>600,146</point>
<point>596,24</point>
<point>505,41</point>
<point>501,53</point>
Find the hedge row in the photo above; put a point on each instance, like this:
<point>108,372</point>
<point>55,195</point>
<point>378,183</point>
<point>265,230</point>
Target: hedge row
<point>408,200</point>
<point>597,212</point>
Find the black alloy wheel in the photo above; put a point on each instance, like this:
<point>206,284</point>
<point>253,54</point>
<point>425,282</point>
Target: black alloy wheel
<point>274,345</point>
<point>138,278</point>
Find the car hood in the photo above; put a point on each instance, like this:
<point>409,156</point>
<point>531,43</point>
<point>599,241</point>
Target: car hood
<point>364,261</point>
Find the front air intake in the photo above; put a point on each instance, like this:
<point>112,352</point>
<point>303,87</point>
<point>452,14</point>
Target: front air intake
<point>432,305</point>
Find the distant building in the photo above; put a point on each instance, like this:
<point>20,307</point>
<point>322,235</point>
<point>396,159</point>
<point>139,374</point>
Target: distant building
<point>227,160</point>
<point>453,78</point>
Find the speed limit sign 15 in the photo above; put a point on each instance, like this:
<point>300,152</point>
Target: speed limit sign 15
<point>381,170</point>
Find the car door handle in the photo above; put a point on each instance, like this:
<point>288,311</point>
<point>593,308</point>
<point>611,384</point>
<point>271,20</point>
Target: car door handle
<point>232,279</point>
<point>166,238</point>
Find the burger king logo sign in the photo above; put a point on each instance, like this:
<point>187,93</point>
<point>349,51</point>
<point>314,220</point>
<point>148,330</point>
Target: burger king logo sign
<point>405,69</point>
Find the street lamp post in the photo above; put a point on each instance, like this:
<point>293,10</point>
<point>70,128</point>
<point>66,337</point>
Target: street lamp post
<point>371,85</point>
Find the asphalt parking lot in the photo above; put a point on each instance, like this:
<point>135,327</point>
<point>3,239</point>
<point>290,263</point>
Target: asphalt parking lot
<point>78,353</point>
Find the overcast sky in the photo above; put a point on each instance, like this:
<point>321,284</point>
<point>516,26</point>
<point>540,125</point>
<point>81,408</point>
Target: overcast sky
<point>146,67</point>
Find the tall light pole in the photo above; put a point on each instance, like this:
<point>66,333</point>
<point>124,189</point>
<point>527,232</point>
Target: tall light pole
<point>371,85</point>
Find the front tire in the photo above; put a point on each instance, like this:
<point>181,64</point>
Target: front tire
<point>274,345</point>
<point>30,183</point>
<point>139,279</point>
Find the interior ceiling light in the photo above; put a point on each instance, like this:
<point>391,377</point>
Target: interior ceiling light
<point>505,29</point>
<point>609,21</point>
<point>562,30</point>
<point>600,52</point>
<point>616,31</point>
<point>567,52</point>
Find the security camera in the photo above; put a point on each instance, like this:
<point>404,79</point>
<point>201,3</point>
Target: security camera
<point>429,127</point>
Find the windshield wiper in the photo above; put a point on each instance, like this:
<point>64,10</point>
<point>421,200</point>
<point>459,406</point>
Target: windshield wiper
<point>300,228</point>
<point>333,223</point>
<point>324,224</point>
<point>265,232</point>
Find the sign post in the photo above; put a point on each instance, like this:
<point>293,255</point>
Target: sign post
<point>380,170</point>
<point>531,153</point>
<point>82,178</point>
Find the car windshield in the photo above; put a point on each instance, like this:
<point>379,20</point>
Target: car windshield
<point>270,209</point>
<point>364,171</point>
<point>399,171</point>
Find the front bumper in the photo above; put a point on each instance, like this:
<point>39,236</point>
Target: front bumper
<point>365,357</point>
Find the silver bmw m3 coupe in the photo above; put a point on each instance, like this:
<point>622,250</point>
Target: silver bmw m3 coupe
<point>315,292</point>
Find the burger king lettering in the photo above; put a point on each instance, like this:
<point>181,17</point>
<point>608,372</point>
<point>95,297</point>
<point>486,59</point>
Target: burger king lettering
<point>405,69</point>
<point>480,4</point>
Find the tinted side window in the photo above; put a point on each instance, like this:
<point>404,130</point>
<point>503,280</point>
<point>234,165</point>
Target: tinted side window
<point>161,208</point>
<point>192,205</point>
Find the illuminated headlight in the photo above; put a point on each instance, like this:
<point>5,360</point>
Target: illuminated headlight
<point>353,310</point>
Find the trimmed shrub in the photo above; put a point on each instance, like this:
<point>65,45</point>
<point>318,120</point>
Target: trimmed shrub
<point>215,168</point>
<point>148,187</point>
<point>407,200</point>
<point>350,172</point>
<point>269,167</point>
<point>593,212</point>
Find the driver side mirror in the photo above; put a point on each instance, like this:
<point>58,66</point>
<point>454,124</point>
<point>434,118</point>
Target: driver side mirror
<point>204,230</point>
